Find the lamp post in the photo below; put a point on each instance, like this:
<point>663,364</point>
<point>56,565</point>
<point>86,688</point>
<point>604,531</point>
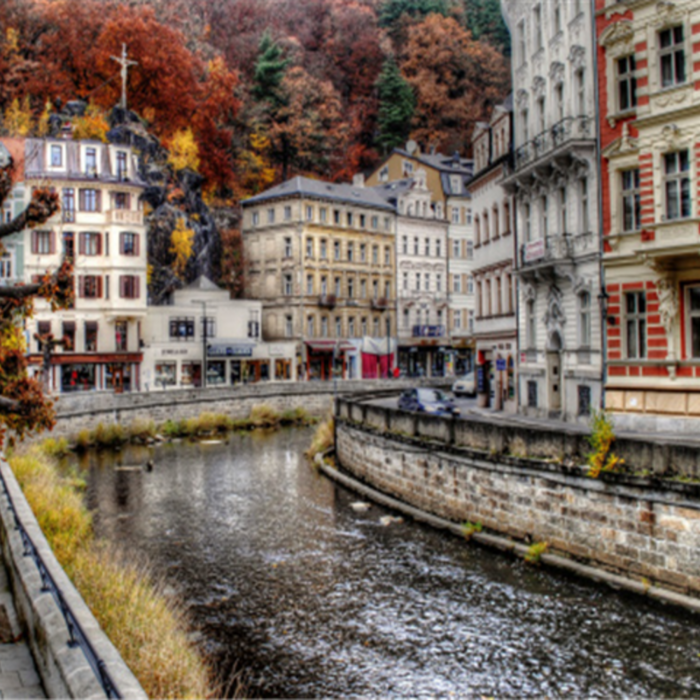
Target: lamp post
<point>204,340</point>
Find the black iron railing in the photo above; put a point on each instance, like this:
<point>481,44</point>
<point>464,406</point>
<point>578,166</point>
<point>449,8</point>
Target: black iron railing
<point>77,637</point>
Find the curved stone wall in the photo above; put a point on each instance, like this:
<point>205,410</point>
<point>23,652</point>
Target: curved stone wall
<point>644,529</point>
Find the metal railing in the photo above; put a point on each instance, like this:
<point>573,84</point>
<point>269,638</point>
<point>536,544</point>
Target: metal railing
<point>551,249</point>
<point>563,131</point>
<point>77,637</point>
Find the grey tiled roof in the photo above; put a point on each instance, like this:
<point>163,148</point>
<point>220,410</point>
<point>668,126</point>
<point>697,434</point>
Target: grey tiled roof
<point>451,164</point>
<point>318,189</point>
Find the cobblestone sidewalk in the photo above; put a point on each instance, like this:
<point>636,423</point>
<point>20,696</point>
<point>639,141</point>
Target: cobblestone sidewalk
<point>18,675</point>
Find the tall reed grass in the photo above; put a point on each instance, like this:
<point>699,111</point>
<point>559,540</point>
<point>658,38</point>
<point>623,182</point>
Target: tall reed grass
<point>149,630</point>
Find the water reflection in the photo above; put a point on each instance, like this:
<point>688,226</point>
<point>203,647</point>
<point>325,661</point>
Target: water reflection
<point>315,599</point>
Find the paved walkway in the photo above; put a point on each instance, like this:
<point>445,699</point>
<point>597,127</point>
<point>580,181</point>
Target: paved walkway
<point>18,675</point>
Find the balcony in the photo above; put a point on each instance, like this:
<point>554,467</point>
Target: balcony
<point>428,331</point>
<point>548,251</point>
<point>554,139</point>
<point>327,301</point>
<point>380,304</point>
<point>125,216</point>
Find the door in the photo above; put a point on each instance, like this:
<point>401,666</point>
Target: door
<point>554,380</point>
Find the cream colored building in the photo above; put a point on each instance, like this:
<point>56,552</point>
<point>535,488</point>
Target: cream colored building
<point>100,227</point>
<point>447,177</point>
<point>321,259</point>
<point>496,327</point>
<point>202,321</point>
<point>649,57</point>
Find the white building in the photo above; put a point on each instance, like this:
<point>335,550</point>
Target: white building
<point>554,179</point>
<point>421,277</point>
<point>201,321</point>
<point>100,227</point>
<point>494,257</point>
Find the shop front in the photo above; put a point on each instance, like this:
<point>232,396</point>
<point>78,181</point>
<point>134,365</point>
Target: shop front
<point>326,359</point>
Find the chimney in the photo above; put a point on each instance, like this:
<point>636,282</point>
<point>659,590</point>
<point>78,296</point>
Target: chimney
<point>358,180</point>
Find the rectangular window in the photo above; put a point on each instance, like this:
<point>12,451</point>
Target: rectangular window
<point>580,80</point>
<point>532,394</point>
<point>349,218</point>
<point>404,245</point>
<point>69,336</point>
<point>541,114</point>
<point>256,218</point>
<point>531,322</point>
<point>585,320</point>
<point>351,327</point>
<point>310,327</point>
<point>56,156</point>
<point>129,243</point>
<point>309,247</point>
<point>427,247</point>
<point>338,327</point>
<point>181,329</point>
<point>324,285</point>
<point>121,200</point>
<point>557,16</point>
<point>207,327</point>
<point>693,305</point>
<point>43,329</point>
<point>287,285</point>
<point>415,246</point>
<point>585,210</point>
<point>438,248</point>
<point>351,252</point>
<point>427,281</point>
<point>336,286</point>
<point>470,250</point>
<point>351,287</point>
<point>418,281</point>
<point>631,200</point>
<point>323,212</point>
<point>129,286</point>
<point>68,206</point>
<point>90,287</point>
<point>90,243</point>
<point>122,171</point>
<point>121,336</point>
<point>455,215</point>
<point>288,326</point>
<point>309,284</point>
<point>336,216</point>
<point>90,200</point>
<point>626,83</point>
<point>375,254</point>
<point>336,250</point>
<point>375,222</point>
<point>287,247</point>
<point>309,213</point>
<point>672,57</point>
<point>363,252</point>
<point>456,249</point>
<point>677,185</point>
<point>636,324</point>
<point>324,249</point>
<point>562,210</point>
<point>362,220</point>
<point>537,26</point>
<point>91,162</point>
<point>584,400</point>
<point>363,289</point>
<point>457,284</point>
<point>69,245</point>
<point>522,45</point>
<point>559,100</point>
<point>6,266</point>
<point>387,255</point>
<point>287,213</point>
<point>324,326</point>
<point>544,205</point>
<point>438,283</point>
<point>43,242</point>
<point>270,216</point>
<point>91,336</point>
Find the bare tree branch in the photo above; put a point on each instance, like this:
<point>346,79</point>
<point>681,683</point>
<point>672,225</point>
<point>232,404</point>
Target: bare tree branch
<point>20,292</point>
<point>8,405</point>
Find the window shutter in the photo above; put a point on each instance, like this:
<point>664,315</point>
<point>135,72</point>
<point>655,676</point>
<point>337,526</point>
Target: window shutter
<point>99,243</point>
<point>121,242</point>
<point>137,239</point>
<point>98,200</point>
<point>52,242</point>
<point>81,199</point>
<point>127,202</point>
<point>81,286</point>
<point>122,286</point>
<point>35,242</point>
<point>137,290</point>
<point>99,287</point>
<point>81,244</point>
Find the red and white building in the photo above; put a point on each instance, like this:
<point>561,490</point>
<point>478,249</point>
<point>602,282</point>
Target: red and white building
<point>649,95</point>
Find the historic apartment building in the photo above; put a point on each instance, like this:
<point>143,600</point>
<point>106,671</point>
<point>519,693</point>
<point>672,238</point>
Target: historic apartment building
<point>447,177</point>
<point>554,180</point>
<point>649,63</point>
<point>495,329</point>
<point>100,227</point>
<point>421,277</point>
<point>321,259</point>
<point>12,256</point>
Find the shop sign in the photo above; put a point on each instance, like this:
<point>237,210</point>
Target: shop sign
<point>501,364</point>
<point>174,352</point>
<point>230,350</point>
<point>277,351</point>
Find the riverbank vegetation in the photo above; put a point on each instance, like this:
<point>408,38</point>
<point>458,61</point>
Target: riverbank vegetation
<point>323,439</point>
<point>148,629</point>
<point>206,425</point>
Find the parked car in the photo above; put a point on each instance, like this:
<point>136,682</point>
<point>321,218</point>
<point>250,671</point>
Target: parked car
<point>431,401</point>
<point>465,385</point>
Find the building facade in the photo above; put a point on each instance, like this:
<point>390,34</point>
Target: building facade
<point>555,184</point>
<point>649,95</point>
<point>321,259</point>
<point>12,255</point>
<point>100,228</point>
<point>201,323</point>
<point>447,178</point>
<point>421,278</point>
<point>495,330</point>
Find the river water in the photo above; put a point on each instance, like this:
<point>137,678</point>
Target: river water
<point>308,597</point>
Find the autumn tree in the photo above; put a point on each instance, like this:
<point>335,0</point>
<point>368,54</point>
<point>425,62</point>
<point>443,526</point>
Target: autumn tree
<point>456,81</point>
<point>181,244</point>
<point>234,263</point>
<point>393,10</point>
<point>23,406</point>
<point>396,107</point>
<point>183,151</point>
<point>485,21</point>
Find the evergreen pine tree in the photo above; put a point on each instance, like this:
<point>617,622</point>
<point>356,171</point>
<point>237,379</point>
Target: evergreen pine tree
<point>269,72</point>
<point>392,10</point>
<point>396,105</point>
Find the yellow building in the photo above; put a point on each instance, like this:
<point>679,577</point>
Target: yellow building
<point>321,258</point>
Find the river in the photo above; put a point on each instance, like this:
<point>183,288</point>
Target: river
<point>309,597</point>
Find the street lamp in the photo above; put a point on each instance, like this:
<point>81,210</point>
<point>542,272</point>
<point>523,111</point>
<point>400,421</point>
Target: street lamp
<point>204,340</point>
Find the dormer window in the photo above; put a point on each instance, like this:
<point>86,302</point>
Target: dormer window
<point>91,162</point>
<point>384,174</point>
<point>456,184</point>
<point>56,156</point>
<point>122,170</point>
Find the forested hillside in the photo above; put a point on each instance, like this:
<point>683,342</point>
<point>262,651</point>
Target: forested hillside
<point>264,88</point>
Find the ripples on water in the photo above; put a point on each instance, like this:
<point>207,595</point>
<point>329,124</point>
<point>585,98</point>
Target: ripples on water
<point>312,599</point>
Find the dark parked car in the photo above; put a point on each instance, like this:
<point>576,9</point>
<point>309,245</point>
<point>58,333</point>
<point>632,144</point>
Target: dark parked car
<point>431,401</point>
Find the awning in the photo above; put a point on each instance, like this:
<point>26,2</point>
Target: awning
<point>329,345</point>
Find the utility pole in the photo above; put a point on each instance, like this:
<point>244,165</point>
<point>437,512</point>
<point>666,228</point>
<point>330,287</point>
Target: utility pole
<point>125,63</point>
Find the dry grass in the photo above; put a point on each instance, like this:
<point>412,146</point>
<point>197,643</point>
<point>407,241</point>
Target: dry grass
<point>323,438</point>
<point>149,632</point>
<point>142,430</point>
<point>263,416</point>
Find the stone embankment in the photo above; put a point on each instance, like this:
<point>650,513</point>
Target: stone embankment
<point>526,486</point>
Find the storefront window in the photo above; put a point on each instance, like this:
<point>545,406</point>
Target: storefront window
<point>216,372</point>
<point>77,377</point>
<point>165,374</point>
<point>191,374</point>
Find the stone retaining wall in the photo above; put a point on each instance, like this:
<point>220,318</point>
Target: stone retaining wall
<point>641,528</point>
<point>64,670</point>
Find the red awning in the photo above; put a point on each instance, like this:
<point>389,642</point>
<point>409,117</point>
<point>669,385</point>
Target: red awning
<point>329,345</point>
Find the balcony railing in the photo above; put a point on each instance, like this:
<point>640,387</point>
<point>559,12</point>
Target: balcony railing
<point>568,129</point>
<point>125,216</point>
<point>328,301</point>
<point>551,249</point>
<point>380,304</point>
<point>428,331</point>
